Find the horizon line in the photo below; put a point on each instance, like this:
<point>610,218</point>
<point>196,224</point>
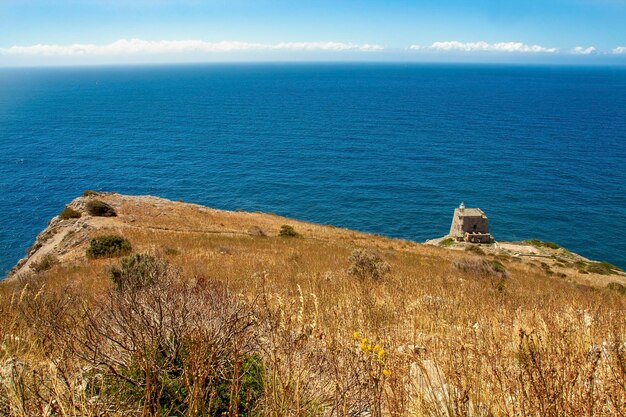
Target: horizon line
<point>596,64</point>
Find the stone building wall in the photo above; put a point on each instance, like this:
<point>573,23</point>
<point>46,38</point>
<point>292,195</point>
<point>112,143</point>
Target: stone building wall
<point>472,221</point>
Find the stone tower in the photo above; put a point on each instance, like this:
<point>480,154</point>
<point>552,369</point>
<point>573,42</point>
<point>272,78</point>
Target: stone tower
<point>470,225</point>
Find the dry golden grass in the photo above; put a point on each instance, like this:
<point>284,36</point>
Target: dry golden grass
<point>427,339</point>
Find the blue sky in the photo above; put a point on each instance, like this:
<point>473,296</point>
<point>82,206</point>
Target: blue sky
<point>51,32</point>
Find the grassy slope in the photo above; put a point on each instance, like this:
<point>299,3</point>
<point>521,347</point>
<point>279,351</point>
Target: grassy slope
<point>516,346</point>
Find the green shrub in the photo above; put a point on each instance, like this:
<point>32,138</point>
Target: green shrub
<point>483,267</point>
<point>170,251</point>
<point>44,264</point>
<point>366,263</point>
<point>288,231</point>
<point>504,257</point>
<point>138,271</point>
<point>236,393</point>
<point>475,249</point>
<point>616,286</point>
<point>69,213</point>
<point>546,268</point>
<point>250,389</point>
<point>500,285</point>
<point>447,242</point>
<point>179,348</point>
<point>581,264</point>
<point>497,266</point>
<point>89,193</point>
<point>108,246</point>
<point>603,268</point>
<point>100,209</point>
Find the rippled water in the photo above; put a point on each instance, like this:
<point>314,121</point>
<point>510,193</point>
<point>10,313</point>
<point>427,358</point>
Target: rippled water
<point>390,149</point>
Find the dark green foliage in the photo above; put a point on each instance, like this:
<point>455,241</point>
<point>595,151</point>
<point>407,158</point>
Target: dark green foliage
<point>504,257</point>
<point>138,271</point>
<point>546,268</point>
<point>245,372</point>
<point>500,285</point>
<point>288,231</point>
<point>539,244</point>
<point>100,209</point>
<point>616,286</point>
<point>108,246</point>
<point>250,371</point>
<point>170,251</point>
<point>69,213</point>
<point>475,249</point>
<point>89,193</point>
<point>185,349</point>
<point>497,266</point>
<point>484,267</point>
<point>368,264</point>
<point>603,268</point>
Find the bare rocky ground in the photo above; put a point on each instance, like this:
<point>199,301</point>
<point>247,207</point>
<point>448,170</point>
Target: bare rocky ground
<point>551,258</point>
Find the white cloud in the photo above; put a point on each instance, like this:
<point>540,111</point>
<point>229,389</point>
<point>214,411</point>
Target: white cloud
<point>619,50</point>
<point>581,50</point>
<point>140,46</point>
<point>415,48</point>
<point>509,47</point>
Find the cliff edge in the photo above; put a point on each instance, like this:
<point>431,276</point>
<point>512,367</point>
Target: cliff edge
<point>156,224</point>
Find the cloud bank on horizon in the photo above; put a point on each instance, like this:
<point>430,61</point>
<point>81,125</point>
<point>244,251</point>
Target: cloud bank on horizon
<point>140,46</point>
<point>450,46</point>
<point>194,50</point>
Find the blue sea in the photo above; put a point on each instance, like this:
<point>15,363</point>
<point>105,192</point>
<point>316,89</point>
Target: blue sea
<point>383,148</point>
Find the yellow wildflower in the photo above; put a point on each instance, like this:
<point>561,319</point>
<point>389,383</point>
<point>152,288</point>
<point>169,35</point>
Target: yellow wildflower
<point>386,372</point>
<point>355,335</point>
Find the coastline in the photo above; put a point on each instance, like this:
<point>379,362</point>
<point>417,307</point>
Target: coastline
<point>65,240</point>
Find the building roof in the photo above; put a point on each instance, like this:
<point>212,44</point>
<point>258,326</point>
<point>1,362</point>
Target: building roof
<point>469,212</point>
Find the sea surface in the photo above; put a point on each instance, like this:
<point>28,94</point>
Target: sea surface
<point>390,149</point>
